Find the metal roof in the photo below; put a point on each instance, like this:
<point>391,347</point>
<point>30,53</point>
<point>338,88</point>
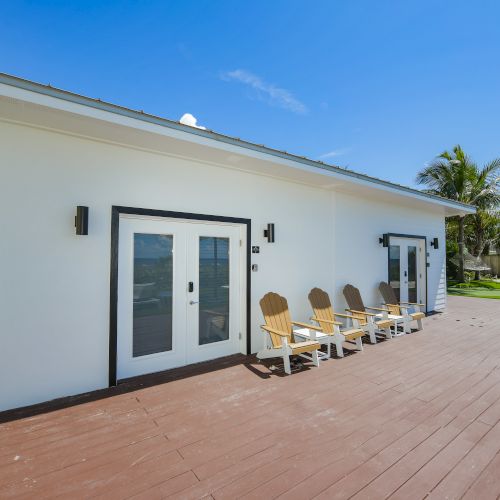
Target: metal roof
<point>51,91</point>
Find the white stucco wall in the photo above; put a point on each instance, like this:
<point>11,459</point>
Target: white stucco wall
<point>54,285</point>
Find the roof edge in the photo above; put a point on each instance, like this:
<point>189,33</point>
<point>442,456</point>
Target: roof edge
<point>73,97</point>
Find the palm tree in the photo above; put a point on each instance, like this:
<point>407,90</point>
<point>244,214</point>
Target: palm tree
<point>455,176</point>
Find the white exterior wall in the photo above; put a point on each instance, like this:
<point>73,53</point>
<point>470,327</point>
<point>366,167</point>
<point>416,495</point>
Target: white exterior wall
<point>54,285</point>
<point>361,260</point>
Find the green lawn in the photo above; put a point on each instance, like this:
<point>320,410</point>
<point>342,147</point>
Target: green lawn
<point>485,289</point>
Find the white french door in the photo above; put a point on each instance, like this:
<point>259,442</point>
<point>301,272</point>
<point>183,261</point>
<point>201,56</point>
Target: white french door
<point>407,268</point>
<point>179,293</point>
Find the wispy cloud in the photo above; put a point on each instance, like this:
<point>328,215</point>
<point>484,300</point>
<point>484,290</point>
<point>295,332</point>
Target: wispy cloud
<point>335,152</point>
<point>276,96</point>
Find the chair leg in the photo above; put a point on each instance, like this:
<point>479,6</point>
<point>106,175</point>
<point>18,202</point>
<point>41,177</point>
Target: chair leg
<point>399,323</point>
<point>420,325</point>
<point>286,362</point>
<point>315,358</point>
<point>407,326</point>
<point>371,332</point>
<point>359,343</point>
<point>388,332</point>
<point>340,349</point>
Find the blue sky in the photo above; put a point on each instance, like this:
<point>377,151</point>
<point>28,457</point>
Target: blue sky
<point>380,87</point>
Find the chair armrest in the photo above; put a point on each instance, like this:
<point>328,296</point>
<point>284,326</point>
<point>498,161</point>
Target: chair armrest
<point>349,316</point>
<point>360,312</point>
<point>326,321</point>
<point>306,325</point>
<point>413,304</point>
<point>273,330</point>
<point>377,309</point>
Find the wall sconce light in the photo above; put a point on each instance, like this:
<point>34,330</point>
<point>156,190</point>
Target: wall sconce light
<point>269,233</point>
<point>435,243</point>
<point>82,220</point>
<point>384,240</point>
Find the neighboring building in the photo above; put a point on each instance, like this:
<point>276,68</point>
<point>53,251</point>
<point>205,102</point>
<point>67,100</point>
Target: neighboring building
<point>169,280</point>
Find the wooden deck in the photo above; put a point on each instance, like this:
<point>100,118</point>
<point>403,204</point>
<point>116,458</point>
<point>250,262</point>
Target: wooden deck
<point>412,417</point>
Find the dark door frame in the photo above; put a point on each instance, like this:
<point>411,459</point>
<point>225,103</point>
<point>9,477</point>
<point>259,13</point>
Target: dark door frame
<point>113,293</point>
<point>415,237</point>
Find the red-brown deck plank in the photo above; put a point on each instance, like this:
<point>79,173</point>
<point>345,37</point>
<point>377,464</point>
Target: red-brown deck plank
<point>414,416</point>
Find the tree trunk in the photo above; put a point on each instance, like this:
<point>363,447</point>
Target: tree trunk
<point>461,230</point>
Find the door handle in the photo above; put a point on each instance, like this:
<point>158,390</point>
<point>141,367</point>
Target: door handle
<point>192,302</point>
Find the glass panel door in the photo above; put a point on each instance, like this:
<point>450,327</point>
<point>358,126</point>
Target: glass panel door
<point>153,283</point>
<point>395,269</point>
<point>151,296</point>
<point>213,315</point>
<point>214,294</point>
<point>406,268</point>
<point>180,286</point>
<point>412,273</point>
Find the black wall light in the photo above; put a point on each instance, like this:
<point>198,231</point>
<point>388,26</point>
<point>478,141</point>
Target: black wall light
<point>269,233</point>
<point>82,220</point>
<point>384,240</point>
<point>435,243</point>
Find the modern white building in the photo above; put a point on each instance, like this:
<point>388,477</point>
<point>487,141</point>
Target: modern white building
<point>175,259</point>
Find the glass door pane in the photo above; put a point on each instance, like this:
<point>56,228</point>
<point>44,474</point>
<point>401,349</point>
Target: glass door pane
<point>395,269</point>
<point>152,299</point>
<point>412,273</point>
<point>213,316</point>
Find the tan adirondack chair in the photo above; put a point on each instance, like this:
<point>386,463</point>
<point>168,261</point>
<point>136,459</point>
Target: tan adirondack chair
<point>369,322</point>
<point>401,308</point>
<point>331,329</point>
<point>279,326</point>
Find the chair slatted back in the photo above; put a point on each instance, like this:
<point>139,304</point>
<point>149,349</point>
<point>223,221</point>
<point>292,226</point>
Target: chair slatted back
<point>354,301</point>
<point>322,307</point>
<point>390,298</point>
<point>276,315</point>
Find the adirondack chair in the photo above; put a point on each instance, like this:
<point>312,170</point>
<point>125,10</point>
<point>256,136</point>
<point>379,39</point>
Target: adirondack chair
<point>331,329</point>
<point>370,323</point>
<point>279,326</point>
<point>401,308</point>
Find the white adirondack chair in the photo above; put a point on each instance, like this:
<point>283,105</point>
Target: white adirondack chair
<point>331,329</point>
<point>279,326</point>
<point>370,323</point>
<point>402,309</point>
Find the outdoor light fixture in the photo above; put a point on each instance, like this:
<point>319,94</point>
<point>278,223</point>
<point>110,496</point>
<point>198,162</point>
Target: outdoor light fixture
<point>384,240</point>
<point>82,220</point>
<point>269,233</point>
<point>435,243</point>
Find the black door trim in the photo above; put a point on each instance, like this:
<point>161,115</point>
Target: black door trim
<point>113,293</point>
<point>415,237</point>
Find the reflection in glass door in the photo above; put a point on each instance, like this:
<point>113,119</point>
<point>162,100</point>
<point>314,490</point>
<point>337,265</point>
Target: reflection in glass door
<point>214,273</point>
<point>395,269</point>
<point>412,273</point>
<point>153,281</point>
